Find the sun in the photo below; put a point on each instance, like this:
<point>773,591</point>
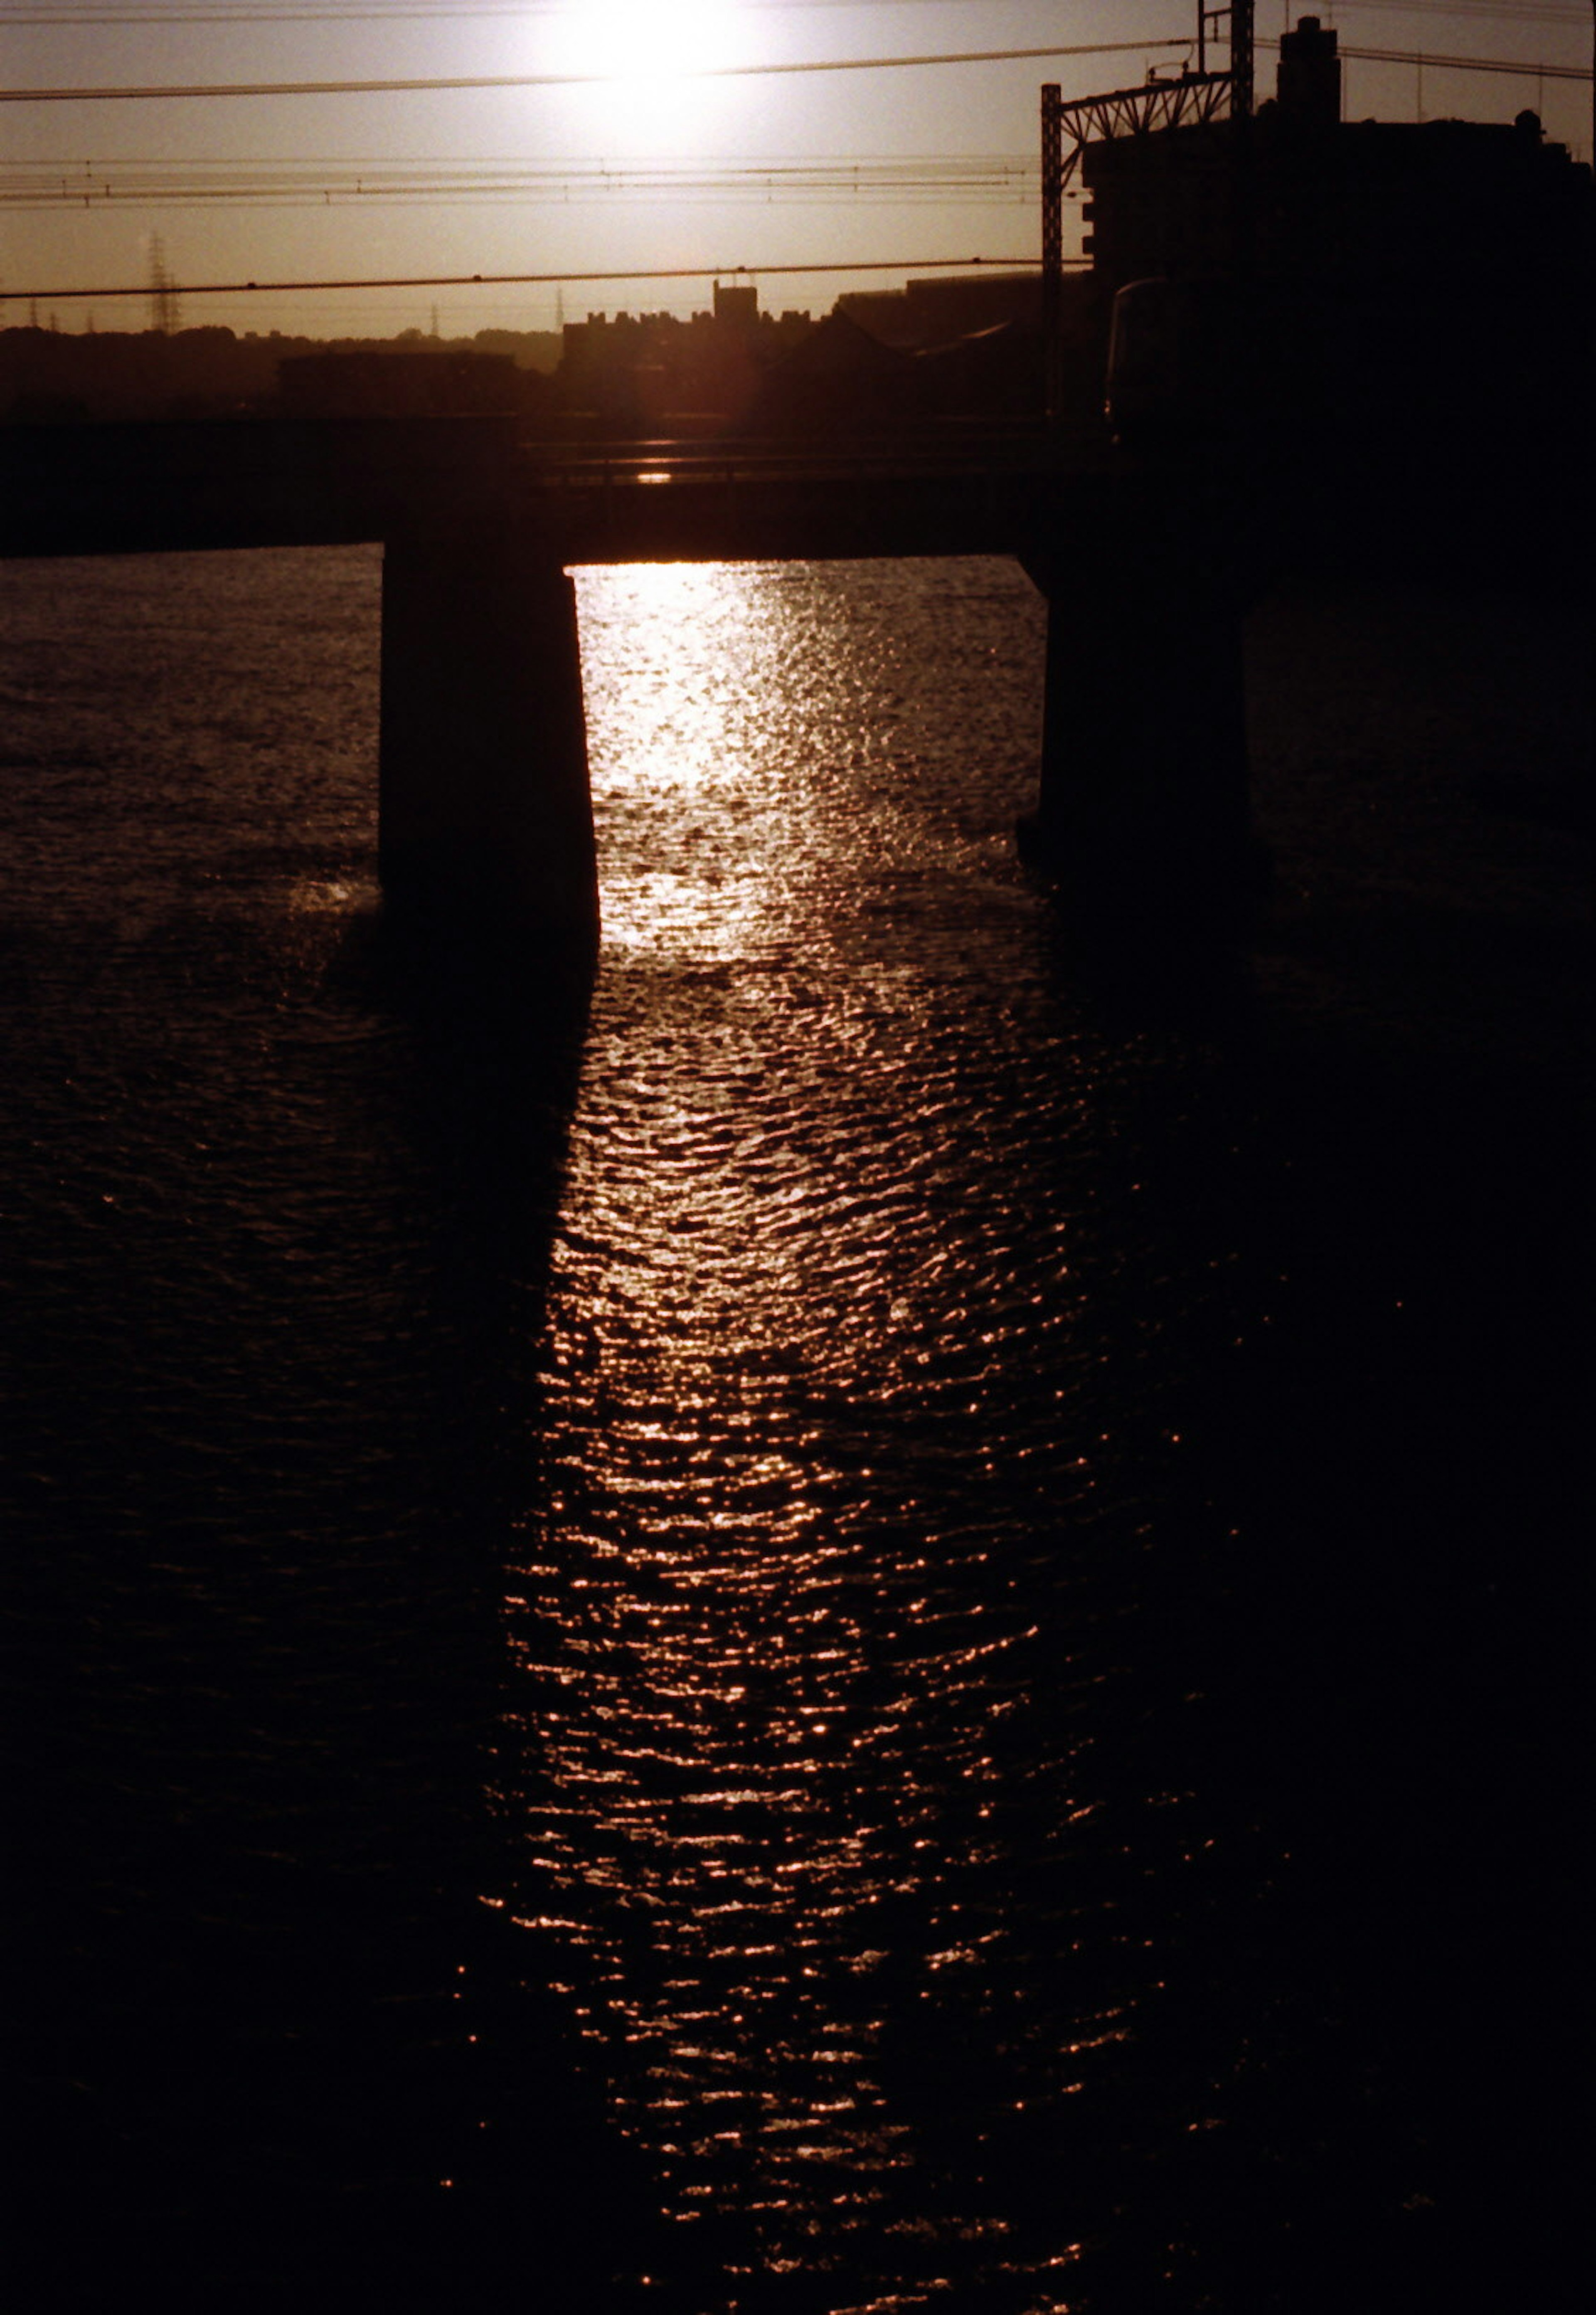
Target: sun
<point>653,49</point>
<point>647,57</point>
<point>650,40</point>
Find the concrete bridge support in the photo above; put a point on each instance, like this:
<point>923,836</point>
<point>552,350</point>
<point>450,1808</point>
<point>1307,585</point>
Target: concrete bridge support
<point>1143,813</point>
<point>485,809</point>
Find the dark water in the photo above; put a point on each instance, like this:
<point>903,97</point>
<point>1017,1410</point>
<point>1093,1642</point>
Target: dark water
<point>881,1628</point>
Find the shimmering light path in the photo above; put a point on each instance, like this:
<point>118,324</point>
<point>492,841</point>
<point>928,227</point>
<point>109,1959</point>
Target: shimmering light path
<point>814,1631</point>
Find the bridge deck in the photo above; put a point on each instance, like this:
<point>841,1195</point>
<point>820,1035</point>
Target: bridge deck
<point>139,488</point>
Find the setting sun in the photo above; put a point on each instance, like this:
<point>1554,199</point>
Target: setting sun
<point>653,53</point>
<point>638,40</point>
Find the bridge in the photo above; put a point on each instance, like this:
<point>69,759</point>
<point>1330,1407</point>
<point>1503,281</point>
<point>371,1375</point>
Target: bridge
<point>484,809</point>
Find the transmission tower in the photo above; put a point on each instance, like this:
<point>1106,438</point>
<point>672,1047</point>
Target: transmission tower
<point>163,296</point>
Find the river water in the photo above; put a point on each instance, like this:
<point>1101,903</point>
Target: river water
<point>688,1656</point>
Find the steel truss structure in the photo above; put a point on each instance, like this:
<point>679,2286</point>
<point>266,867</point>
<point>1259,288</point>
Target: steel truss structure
<point>1193,101</point>
<point>1189,100</point>
<point>1066,130</point>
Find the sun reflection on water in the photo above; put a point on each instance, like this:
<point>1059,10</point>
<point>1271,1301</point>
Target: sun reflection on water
<point>806,1326</point>
<point>666,734</point>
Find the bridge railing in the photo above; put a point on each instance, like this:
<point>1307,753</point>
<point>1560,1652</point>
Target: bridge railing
<point>753,461</point>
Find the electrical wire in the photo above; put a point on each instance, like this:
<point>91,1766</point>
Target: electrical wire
<point>424,12</point>
<point>1531,11</point>
<point>432,82</point>
<point>421,11</point>
<point>994,181</point>
<point>1510,66</point>
<point>1540,12</point>
<point>1026,264</point>
<point>435,83</point>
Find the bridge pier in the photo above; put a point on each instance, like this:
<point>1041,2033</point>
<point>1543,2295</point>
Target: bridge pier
<point>485,816</point>
<point>1143,816</point>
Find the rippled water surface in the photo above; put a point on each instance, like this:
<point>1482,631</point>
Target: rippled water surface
<point>810,1621</point>
<point>621,1620</point>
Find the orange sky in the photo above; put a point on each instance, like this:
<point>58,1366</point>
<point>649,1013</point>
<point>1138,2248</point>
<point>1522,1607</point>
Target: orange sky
<point>554,179</point>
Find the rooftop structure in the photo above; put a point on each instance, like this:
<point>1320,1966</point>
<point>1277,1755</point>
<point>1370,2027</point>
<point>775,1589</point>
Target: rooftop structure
<point>1295,189</point>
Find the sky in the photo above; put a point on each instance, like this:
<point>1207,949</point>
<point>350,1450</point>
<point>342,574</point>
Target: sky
<point>659,167</point>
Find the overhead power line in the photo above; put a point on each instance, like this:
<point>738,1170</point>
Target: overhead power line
<point>1499,12</point>
<point>400,12</point>
<point>968,181</point>
<point>434,82</point>
<point>1468,64</point>
<point>1026,264</point>
<point>67,18</point>
<point>421,11</point>
<point>568,80</point>
<point>427,12</point>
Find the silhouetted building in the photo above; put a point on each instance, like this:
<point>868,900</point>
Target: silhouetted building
<point>838,378</point>
<point>737,304</point>
<point>652,373</point>
<point>938,307</point>
<point>1297,189</point>
<point>209,372</point>
<point>1309,77</point>
<point>1370,198</point>
<point>1409,285</point>
<point>133,374</point>
<point>998,373</point>
<point>377,384</point>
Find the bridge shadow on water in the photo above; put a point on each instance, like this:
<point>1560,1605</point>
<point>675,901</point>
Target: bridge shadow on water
<point>269,2045</point>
